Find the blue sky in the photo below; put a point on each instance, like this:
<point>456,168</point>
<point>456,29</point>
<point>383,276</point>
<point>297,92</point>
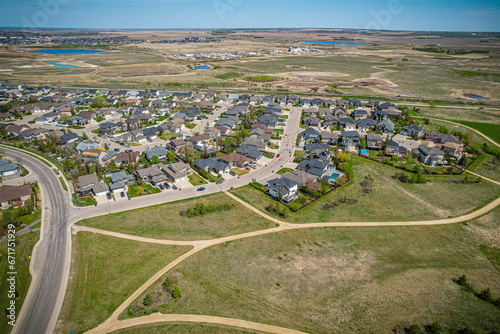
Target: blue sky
<point>442,15</point>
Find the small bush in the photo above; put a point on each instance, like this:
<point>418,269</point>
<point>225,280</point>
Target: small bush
<point>148,300</point>
<point>176,292</point>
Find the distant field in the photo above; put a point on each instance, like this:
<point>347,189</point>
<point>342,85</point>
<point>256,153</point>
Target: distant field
<point>348,280</point>
<point>104,272</point>
<point>489,129</point>
<point>165,222</point>
<point>390,199</point>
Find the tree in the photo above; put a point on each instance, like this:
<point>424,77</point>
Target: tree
<point>106,146</point>
<point>485,294</point>
<point>176,292</point>
<point>312,186</point>
<point>63,118</point>
<point>171,155</point>
<point>435,327</point>
<point>168,284</point>
<point>280,192</point>
<point>148,300</point>
<point>84,136</point>
<point>362,143</point>
<point>155,160</point>
<point>468,137</point>
<point>98,102</point>
<point>462,280</point>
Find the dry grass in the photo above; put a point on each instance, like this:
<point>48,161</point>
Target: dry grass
<point>346,280</point>
<point>165,222</point>
<point>184,329</point>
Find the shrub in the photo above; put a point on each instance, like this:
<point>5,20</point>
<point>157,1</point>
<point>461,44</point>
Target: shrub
<point>485,295</point>
<point>462,280</point>
<point>148,300</point>
<point>176,292</point>
<point>168,284</point>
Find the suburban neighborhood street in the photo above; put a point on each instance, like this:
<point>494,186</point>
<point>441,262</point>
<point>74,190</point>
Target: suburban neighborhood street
<point>50,259</point>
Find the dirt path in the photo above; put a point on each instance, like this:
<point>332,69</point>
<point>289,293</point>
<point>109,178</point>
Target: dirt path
<point>158,318</point>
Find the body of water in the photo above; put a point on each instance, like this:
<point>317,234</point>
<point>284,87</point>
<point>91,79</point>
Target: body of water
<point>204,67</point>
<point>477,97</point>
<point>330,43</point>
<point>62,52</point>
<point>58,65</point>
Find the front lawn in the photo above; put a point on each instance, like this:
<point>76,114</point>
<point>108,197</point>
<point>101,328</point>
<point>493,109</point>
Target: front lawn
<point>141,190</point>
<point>84,200</point>
<point>167,136</point>
<point>190,125</point>
<point>196,180</point>
<point>284,170</point>
<point>239,171</point>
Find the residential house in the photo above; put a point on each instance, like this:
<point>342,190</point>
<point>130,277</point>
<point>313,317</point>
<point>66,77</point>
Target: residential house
<point>176,171</point>
<point>329,138</point>
<point>339,112</point>
<point>431,156</point>
<point>366,124</point>
<point>349,139</point>
<point>248,151</point>
<point>158,151</point>
<point>310,134</point>
<point>413,131</point>
<point>126,157</point>
<point>283,189</point>
<point>393,148</point>
<point>310,121</point>
<point>120,181</point>
<point>11,196</point>
<point>373,141</point>
<point>152,174</point>
<point>315,167</point>
<point>386,126</point>
<point>253,141</point>
<point>212,165</point>
<point>68,138</point>
<point>300,177</point>
<point>8,168</point>
<point>347,123</point>
<point>90,185</point>
<point>235,159</point>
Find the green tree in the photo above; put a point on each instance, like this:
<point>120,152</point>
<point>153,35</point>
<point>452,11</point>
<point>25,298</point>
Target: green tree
<point>176,292</point>
<point>168,284</point>
<point>435,327</point>
<point>148,300</point>
<point>462,280</point>
<point>485,294</point>
<point>155,160</point>
<point>98,102</point>
<point>362,143</point>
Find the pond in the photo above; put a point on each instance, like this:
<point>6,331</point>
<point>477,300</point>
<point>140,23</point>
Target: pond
<point>204,67</point>
<point>477,97</point>
<point>330,43</point>
<point>58,65</point>
<point>62,52</point>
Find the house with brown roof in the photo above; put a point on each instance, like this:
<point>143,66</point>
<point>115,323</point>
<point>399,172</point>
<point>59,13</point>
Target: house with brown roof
<point>11,196</point>
<point>235,159</point>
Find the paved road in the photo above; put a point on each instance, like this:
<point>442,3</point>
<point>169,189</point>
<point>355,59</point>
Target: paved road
<point>48,265</point>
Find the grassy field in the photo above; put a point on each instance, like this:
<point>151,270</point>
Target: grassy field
<point>183,329</point>
<point>487,166</point>
<point>99,282</point>
<point>489,129</point>
<point>23,277</point>
<point>196,180</point>
<point>164,221</point>
<point>348,280</point>
<point>390,200</point>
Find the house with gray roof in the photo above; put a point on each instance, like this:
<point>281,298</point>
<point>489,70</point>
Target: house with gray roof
<point>212,165</point>
<point>283,187</point>
<point>159,151</point>
<point>8,168</point>
<point>431,156</point>
<point>386,126</point>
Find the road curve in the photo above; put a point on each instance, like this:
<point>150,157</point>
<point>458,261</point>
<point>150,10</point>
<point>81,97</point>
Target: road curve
<point>50,255</point>
<point>158,317</point>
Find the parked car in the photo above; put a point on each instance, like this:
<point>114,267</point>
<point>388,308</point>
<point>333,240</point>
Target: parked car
<point>219,182</point>
<point>278,155</point>
<point>108,195</point>
<point>122,194</point>
<point>232,173</point>
<point>166,185</point>
<point>248,168</point>
<point>200,189</point>
<point>161,187</point>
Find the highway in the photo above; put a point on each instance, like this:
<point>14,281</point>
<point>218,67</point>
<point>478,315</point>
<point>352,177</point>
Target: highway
<point>48,264</point>
<point>51,257</point>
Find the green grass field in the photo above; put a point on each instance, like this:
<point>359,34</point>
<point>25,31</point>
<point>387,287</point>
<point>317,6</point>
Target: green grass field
<point>23,277</point>
<point>348,280</point>
<point>165,222</point>
<point>104,272</point>
<point>167,136</point>
<point>488,166</point>
<point>140,190</point>
<point>489,129</point>
<point>390,200</point>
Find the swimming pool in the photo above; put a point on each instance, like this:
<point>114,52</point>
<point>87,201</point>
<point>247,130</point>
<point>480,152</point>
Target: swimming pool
<point>364,152</point>
<point>334,176</point>
<point>204,67</point>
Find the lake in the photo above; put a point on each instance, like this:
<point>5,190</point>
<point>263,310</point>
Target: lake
<point>57,65</point>
<point>477,97</point>
<point>204,67</point>
<point>330,43</point>
<point>62,52</point>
